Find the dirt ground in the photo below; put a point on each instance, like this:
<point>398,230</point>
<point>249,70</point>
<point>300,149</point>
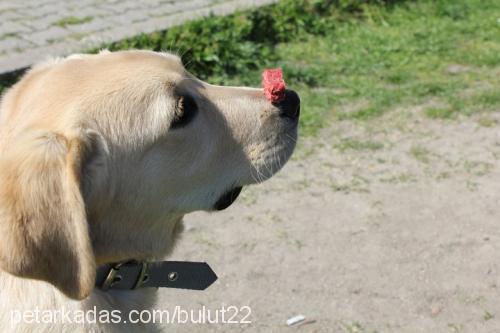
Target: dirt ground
<point>390,225</point>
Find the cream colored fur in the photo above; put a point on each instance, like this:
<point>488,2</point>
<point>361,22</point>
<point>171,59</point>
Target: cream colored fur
<point>92,173</point>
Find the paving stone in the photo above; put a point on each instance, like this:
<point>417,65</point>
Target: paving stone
<point>38,24</point>
<point>130,17</point>
<point>8,28</point>
<point>29,32</point>
<point>14,45</point>
<point>95,25</point>
<point>11,15</point>
<point>8,5</point>
<point>44,10</point>
<point>47,36</point>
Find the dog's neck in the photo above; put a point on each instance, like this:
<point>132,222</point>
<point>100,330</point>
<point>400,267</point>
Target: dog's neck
<point>25,297</point>
<point>118,237</point>
<point>19,296</point>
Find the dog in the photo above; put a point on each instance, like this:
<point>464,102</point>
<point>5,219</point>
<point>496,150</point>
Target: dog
<point>101,156</point>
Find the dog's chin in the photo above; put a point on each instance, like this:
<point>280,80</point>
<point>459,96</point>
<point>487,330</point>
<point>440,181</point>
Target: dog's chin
<point>227,198</point>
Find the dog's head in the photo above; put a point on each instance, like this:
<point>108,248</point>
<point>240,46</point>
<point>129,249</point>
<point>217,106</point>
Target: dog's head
<point>102,155</point>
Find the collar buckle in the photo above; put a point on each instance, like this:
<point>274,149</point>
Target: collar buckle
<point>113,277</point>
<point>143,275</point>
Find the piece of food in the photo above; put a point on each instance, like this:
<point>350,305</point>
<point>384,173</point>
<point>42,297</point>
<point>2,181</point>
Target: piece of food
<point>273,84</point>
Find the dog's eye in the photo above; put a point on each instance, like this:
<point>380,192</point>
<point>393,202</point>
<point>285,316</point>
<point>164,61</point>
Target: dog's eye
<point>185,111</point>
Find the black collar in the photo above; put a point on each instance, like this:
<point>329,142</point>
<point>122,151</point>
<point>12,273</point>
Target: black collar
<point>169,274</point>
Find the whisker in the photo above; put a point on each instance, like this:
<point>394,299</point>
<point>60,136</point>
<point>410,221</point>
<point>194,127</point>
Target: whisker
<point>294,140</point>
<point>280,161</point>
<point>188,63</point>
<point>276,157</point>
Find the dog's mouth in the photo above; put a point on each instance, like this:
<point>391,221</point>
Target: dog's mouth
<point>227,198</point>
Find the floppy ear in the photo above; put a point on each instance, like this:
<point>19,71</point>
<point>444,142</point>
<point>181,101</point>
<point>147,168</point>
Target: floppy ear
<point>43,225</point>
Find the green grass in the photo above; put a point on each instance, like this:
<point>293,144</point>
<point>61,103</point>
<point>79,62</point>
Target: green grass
<point>392,58</point>
<point>400,57</point>
<point>72,20</point>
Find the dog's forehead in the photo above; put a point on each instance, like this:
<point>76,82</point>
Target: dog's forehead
<point>147,57</point>
<point>159,62</point>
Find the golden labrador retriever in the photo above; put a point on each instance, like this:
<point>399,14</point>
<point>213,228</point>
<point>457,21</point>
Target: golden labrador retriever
<point>101,157</point>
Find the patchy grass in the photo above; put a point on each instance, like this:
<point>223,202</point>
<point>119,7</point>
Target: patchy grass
<point>488,316</point>
<point>354,144</point>
<point>366,113</point>
<point>9,35</point>
<point>487,122</point>
<point>72,20</point>
<point>440,113</point>
<point>486,100</point>
<point>420,153</point>
<point>357,184</point>
<point>478,168</point>
<point>355,327</point>
<point>398,179</point>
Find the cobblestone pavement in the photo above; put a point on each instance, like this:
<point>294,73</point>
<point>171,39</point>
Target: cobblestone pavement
<point>32,30</point>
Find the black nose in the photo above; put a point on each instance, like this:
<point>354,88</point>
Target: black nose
<point>290,105</point>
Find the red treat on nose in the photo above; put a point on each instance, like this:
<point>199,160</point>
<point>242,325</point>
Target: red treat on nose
<point>273,84</point>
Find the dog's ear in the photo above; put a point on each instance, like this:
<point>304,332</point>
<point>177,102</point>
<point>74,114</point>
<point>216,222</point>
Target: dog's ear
<point>43,221</point>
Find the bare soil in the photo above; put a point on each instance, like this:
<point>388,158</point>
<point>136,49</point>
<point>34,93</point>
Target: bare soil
<point>390,225</point>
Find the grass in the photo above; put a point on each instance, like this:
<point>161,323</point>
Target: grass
<point>357,184</point>
<point>487,122</point>
<point>440,113</point>
<point>398,179</point>
<point>9,35</point>
<point>354,144</point>
<point>72,20</point>
<point>421,154</point>
<point>400,57</point>
<point>382,55</point>
<point>478,168</point>
<point>488,316</point>
<point>396,57</point>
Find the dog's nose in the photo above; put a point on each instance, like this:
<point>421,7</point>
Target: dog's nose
<point>290,105</point>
